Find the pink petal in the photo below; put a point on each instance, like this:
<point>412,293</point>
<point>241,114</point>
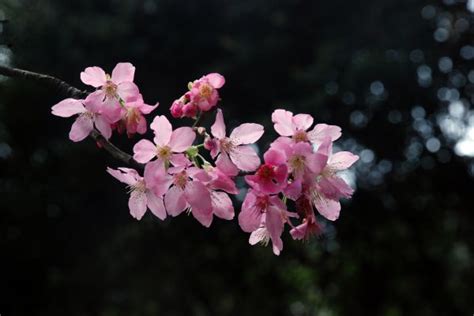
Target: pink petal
<point>247,133</point>
<point>218,128</point>
<point>342,160</point>
<point>93,76</point>
<point>127,90</point>
<point>103,126</point>
<point>224,182</point>
<point>68,108</point>
<point>283,144</point>
<point>94,102</point>
<point>275,225</point>
<point>122,176</point>
<point>274,157</point>
<point>316,162</point>
<point>175,201</point>
<point>216,80</point>
<point>144,151</point>
<point>163,129</point>
<point>250,216</point>
<point>302,121</point>
<point>180,160</point>
<point>137,204</point>
<point>259,235</point>
<point>156,178</point>
<point>327,208</point>
<point>293,190</point>
<point>156,206</point>
<point>321,131</point>
<point>245,158</point>
<point>123,72</point>
<point>111,110</point>
<point>283,122</point>
<point>141,126</point>
<point>181,139</point>
<point>147,109</point>
<point>222,205</point>
<point>81,128</point>
<point>198,196</point>
<point>226,165</point>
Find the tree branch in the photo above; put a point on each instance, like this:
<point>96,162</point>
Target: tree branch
<point>70,91</point>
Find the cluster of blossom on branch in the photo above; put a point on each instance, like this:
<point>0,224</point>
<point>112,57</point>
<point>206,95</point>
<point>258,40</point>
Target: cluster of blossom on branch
<point>298,175</point>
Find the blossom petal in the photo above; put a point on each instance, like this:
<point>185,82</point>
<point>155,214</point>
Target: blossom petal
<point>156,178</point>
<point>144,151</point>
<point>226,165</point>
<point>103,126</point>
<point>321,131</point>
<point>250,217</point>
<point>342,160</point>
<point>127,91</point>
<point>81,128</point>
<point>327,207</point>
<point>181,139</point>
<point>222,205</point>
<point>137,204</point>
<point>216,80</point>
<point>68,108</point>
<point>274,157</point>
<point>245,158</point>
<point>316,162</point>
<point>198,196</point>
<point>247,133</point>
<point>218,128</point>
<point>174,201</point>
<point>93,76</point>
<point>156,206</point>
<point>123,72</point>
<point>163,129</point>
<point>283,122</point>
<point>275,227</point>
<point>259,235</point>
<point>293,190</point>
<point>122,176</point>
<point>302,121</point>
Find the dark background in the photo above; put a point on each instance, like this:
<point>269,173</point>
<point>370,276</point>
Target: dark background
<point>397,75</point>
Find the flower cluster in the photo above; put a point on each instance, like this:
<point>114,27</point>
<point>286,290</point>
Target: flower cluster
<point>297,179</point>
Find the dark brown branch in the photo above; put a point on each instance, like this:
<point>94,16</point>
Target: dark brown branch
<point>70,91</point>
<point>61,86</point>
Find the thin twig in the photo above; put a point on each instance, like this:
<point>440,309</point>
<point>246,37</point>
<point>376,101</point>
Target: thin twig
<point>70,91</point>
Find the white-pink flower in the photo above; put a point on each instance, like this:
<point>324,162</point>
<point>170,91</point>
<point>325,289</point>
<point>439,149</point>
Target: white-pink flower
<point>89,113</point>
<point>167,141</point>
<point>144,193</point>
<point>237,145</point>
<point>296,127</point>
<point>326,189</point>
<point>119,85</point>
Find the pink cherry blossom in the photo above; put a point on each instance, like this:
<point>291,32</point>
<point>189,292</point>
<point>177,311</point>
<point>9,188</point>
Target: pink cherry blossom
<point>301,159</point>
<point>89,115</point>
<point>143,192</point>
<point>132,116</point>
<point>119,85</point>
<point>188,193</point>
<point>264,216</point>
<point>237,145</point>
<point>166,141</point>
<point>203,92</point>
<point>296,126</point>
<point>270,177</point>
<point>328,188</point>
